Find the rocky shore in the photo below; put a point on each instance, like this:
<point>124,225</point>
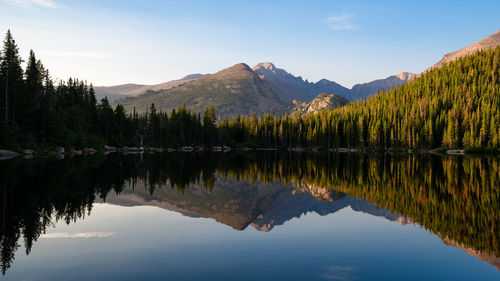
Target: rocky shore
<point>61,152</point>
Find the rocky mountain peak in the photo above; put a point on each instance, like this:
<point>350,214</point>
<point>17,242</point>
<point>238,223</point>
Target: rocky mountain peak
<point>264,65</point>
<point>289,87</point>
<point>406,76</point>
<point>237,67</point>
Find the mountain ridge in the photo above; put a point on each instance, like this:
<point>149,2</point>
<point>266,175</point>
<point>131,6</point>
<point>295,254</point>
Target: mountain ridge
<point>289,87</point>
<point>483,44</point>
<point>130,89</point>
<point>235,90</point>
<point>364,90</point>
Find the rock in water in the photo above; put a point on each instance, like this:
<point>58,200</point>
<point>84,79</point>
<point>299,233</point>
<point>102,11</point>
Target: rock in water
<point>8,154</point>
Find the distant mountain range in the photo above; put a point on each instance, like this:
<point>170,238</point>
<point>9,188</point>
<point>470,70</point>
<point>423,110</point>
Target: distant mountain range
<point>241,90</point>
<point>289,87</point>
<point>236,90</point>
<point>361,91</point>
<point>285,85</point>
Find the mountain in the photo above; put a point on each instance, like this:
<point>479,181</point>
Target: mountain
<point>362,91</point>
<point>241,90</point>
<point>236,90</point>
<point>129,90</point>
<point>320,102</point>
<point>286,88</point>
<point>289,87</point>
<point>491,41</point>
<point>327,86</point>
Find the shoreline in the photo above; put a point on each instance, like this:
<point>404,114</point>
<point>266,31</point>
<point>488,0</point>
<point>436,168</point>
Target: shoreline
<point>60,152</point>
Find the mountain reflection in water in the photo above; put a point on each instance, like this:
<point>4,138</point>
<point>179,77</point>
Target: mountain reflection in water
<point>239,204</point>
<point>454,197</point>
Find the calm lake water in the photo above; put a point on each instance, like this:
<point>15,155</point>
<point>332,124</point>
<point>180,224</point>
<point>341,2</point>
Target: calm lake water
<point>256,216</point>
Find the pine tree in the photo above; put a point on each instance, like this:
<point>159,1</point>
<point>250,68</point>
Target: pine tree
<point>209,126</point>
<point>11,86</point>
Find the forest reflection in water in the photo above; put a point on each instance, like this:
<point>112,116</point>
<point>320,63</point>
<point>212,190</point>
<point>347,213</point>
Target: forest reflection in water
<point>457,198</point>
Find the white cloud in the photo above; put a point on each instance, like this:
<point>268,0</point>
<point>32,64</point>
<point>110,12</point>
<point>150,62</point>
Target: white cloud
<point>341,22</point>
<point>89,55</point>
<point>339,273</point>
<point>35,3</point>
<point>78,235</point>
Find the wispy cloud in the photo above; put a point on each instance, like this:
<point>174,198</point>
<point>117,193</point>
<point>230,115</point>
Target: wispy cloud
<point>78,235</point>
<point>89,55</point>
<point>341,22</point>
<point>35,3</point>
<point>339,273</point>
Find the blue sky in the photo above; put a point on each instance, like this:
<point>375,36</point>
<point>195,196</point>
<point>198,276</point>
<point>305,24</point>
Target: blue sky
<point>115,42</point>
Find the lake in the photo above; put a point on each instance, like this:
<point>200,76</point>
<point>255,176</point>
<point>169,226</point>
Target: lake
<point>250,216</point>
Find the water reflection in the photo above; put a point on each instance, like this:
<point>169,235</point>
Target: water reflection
<point>455,198</point>
<point>243,203</point>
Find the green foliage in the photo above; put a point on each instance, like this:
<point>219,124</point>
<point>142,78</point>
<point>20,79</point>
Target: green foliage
<point>483,150</point>
<point>209,126</point>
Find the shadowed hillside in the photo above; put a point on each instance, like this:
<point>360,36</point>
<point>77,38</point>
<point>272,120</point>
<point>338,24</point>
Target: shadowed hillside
<point>289,87</point>
<point>364,90</point>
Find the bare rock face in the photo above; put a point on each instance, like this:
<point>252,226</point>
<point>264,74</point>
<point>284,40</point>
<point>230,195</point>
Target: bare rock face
<point>406,76</point>
<point>322,194</point>
<point>60,150</point>
<point>491,41</point>
<point>321,102</point>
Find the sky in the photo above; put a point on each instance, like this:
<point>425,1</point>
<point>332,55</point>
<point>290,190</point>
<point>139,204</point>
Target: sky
<point>109,42</point>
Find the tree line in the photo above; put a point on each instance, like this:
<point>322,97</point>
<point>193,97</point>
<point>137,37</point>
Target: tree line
<point>37,112</point>
<point>455,106</point>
